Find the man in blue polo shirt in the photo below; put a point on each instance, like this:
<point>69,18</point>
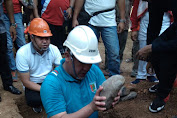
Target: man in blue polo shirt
<point>72,89</point>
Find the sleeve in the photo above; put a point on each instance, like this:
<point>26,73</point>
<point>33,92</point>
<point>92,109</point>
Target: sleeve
<point>52,96</point>
<point>57,57</point>
<point>21,63</point>
<point>167,41</point>
<point>134,17</point>
<point>155,21</point>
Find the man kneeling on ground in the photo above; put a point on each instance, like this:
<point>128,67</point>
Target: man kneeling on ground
<point>72,89</point>
<point>35,60</point>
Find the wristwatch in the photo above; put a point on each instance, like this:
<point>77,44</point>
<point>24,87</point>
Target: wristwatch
<point>71,7</point>
<point>13,25</point>
<point>122,20</point>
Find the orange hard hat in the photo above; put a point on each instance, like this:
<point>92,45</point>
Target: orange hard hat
<point>39,27</point>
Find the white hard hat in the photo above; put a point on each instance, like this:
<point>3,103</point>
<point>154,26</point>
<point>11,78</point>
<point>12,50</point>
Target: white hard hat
<point>83,43</point>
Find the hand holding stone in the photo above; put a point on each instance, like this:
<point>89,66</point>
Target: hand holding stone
<point>111,88</point>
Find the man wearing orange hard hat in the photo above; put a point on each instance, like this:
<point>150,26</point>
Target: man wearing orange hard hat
<point>35,60</point>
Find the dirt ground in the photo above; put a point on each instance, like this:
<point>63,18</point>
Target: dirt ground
<point>14,106</point>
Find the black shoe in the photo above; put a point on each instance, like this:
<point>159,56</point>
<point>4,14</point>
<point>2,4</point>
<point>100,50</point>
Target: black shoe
<point>153,88</point>
<point>136,81</point>
<point>13,90</point>
<point>37,109</point>
<point>152,79</point>
<point>157,105</point>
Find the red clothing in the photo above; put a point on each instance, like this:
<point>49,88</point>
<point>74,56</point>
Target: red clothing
<point>135,18</point>
<point>17,6</point>
<point>52,12</point>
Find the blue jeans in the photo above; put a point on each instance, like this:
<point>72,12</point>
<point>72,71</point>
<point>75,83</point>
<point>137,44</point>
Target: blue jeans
<point>111,43</point>
<point>20,40</point>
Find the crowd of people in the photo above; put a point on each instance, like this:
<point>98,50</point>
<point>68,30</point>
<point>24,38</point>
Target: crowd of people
<point>59,64</point>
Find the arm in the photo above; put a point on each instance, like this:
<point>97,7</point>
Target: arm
<point>72,3</point>
<point>70,9</point>
<point>166,41</point>
<point>155,21</point>
<point>25,78</point>
<point>10,11</point>
<point>121,25</point>
<point>54,101</point>
<point>77,8</point>
<point>23,68</point>
<point>135,21</point>
<point>87,110</point>
<point>121,4</point>
<point>35,10</point>
<point>134,18</point>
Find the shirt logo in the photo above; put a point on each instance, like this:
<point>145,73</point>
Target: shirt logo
<point>55,72</point>
<point>93,87</point>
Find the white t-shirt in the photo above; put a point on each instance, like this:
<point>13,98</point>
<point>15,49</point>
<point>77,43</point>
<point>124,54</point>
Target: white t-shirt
<point>29,60</point>
<point>103,19</point>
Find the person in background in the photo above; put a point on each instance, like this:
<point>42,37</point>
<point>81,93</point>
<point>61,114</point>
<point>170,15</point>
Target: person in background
<point>104,25</point>
<point>4,68</point>
<point>124,34</point>
<point>35,60</point>
<point>140,21</point>
<point>54,13</point>
<point>161,51</point>
<point>20,40</point>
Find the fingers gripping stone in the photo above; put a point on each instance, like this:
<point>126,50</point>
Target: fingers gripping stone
<point>111,88</point>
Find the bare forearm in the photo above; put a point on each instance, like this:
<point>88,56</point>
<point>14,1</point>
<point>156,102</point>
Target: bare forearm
<point>72,3</point>
<point>35,10</point>
<point>77,8</point>
<point>32,85</point>
<point>25,78</point>
<point>10,10</point>
<point>121,4</point>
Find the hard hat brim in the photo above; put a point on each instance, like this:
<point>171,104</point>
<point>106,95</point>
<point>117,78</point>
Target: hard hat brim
<point>42,34</point>
<point>88,59</point>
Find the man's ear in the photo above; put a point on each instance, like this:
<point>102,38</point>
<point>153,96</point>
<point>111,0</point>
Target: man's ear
<point>67,56</point>
<point>32,37</point>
